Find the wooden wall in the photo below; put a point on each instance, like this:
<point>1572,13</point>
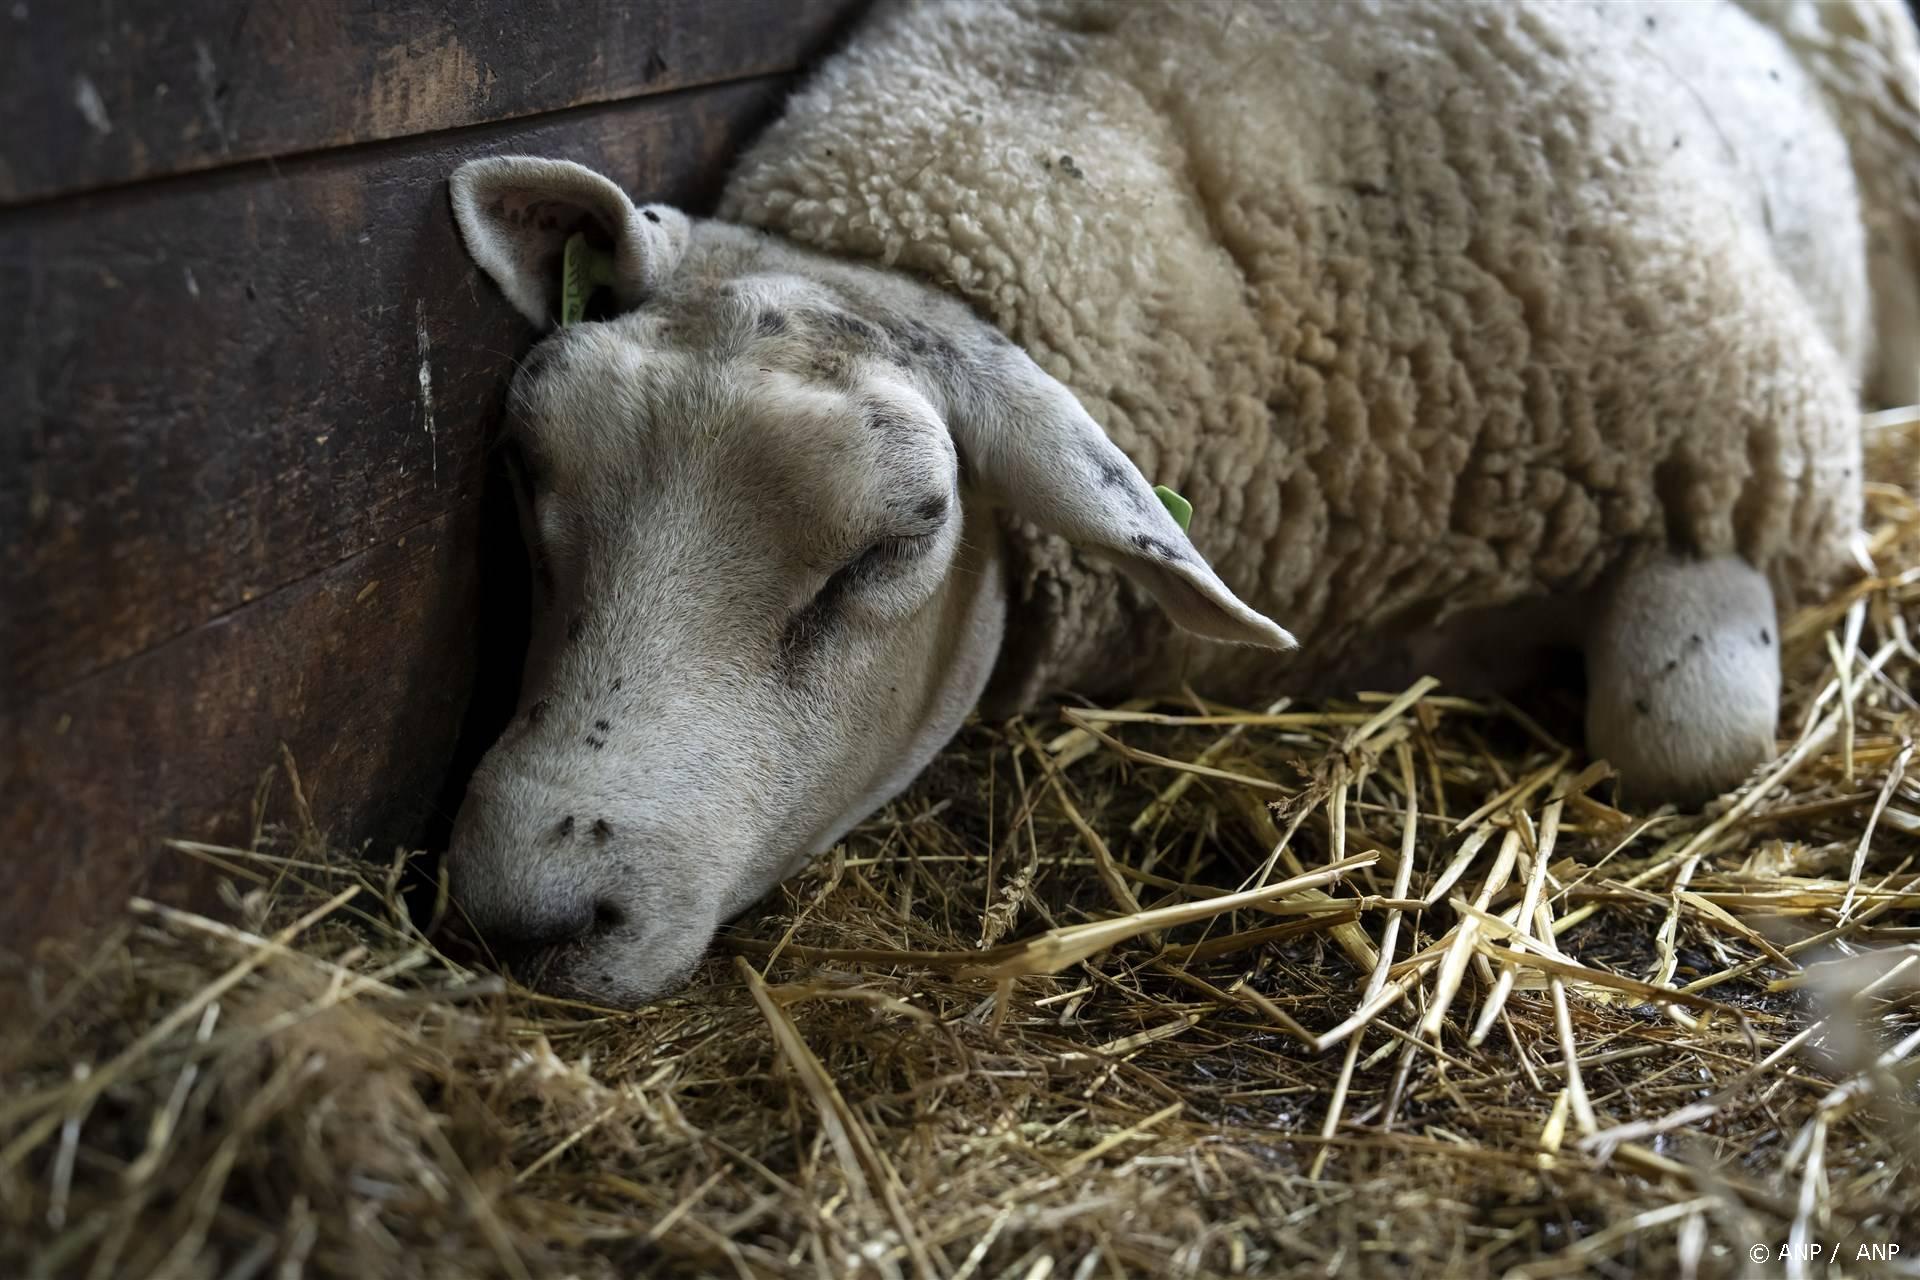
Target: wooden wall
<point>249,382</point>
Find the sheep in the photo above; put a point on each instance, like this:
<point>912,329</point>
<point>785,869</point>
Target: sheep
<point>1468,329</point>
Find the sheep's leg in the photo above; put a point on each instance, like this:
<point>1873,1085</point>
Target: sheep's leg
<point>1683,676</point>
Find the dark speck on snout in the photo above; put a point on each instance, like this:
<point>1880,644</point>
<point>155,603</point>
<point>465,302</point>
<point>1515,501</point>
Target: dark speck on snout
<point>1766,637</point>
<point>537,712</point>
<point>931,509</point>
<point>565,828</point>
<point>769,323</point>
<point>650,215</point>
<point>602,725</point>
<point>1155,547</point>
<point>601,831</point>
<point>595,743</point>
<point>575,625</point>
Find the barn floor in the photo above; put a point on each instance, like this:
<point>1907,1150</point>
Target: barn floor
<point>1358,1066</point>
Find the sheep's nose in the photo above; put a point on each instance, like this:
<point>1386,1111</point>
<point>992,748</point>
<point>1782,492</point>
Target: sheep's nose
<point>519,924</point>
<point>523,908</point>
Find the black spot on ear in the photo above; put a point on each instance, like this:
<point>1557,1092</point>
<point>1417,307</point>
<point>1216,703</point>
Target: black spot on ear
<point>1155,547</point>
<point>575,625</point>
<point>596,743</point>
<point>1766,637</point>
<point>601,831</point>
<point>1112,474</point>
<point>566,827</point>
<point>768,323</point>
<point>650,215</point>
<point>537,712</point>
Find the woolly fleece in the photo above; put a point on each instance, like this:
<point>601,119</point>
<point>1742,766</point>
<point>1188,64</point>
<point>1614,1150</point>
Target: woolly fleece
<point>1428,307</point>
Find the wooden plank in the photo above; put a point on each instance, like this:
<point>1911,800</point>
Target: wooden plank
<point>119,90</point>
<point>223,385</point>
<point>363,671</point>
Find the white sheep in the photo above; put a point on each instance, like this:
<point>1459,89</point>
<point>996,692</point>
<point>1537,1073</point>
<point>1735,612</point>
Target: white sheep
<point>1468,328</point>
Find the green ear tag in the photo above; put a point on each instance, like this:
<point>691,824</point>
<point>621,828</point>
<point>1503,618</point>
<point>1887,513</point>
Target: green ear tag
<point>1177,506</point>
<point>584,269</point>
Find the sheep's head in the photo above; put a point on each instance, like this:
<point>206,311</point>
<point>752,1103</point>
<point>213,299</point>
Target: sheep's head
<point>759,504</point>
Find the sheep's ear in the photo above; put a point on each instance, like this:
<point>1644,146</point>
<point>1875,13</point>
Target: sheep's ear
<point>516,212</point>
<point>1032,448</point>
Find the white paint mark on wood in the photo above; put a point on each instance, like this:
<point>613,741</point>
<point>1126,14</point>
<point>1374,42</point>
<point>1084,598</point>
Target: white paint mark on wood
<point>425,346</point>
<point>87,98</point>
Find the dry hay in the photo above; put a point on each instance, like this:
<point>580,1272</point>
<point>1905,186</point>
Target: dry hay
<point>1165,989</point>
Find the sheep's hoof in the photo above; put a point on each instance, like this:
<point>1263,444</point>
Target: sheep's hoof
<point>1683,676</point>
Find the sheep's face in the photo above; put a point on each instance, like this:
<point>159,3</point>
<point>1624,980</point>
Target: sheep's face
<point>760,610</point>
<point>760,506</point>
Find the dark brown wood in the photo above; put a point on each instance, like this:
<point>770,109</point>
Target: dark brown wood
<point>102,92</point>
<point>363,671</point>
<point>219,387</point>
<point>243,450</point>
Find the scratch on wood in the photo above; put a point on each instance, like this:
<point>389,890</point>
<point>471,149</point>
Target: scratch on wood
<point>426,381</point>
<point>210,89</point>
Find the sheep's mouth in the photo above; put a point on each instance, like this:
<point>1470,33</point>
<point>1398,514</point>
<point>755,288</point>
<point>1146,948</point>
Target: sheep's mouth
<point>563,968</point>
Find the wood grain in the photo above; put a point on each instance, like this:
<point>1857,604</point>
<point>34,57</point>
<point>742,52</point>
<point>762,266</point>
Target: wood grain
<point>241,481</point>
<point>221,386</point>
<point>363,671</point>
<point>121,90</point>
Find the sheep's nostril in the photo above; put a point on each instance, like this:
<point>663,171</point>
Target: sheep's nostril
<point>608,916</point>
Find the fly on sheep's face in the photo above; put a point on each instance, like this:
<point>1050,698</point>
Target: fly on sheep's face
<point>760,507</point>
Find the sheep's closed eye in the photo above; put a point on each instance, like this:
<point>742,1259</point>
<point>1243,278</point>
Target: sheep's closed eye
<point>874,563</point>
<point>874,559</point>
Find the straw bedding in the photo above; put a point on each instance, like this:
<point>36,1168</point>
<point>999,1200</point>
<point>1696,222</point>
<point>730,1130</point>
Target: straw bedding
<point>1171,988</point>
